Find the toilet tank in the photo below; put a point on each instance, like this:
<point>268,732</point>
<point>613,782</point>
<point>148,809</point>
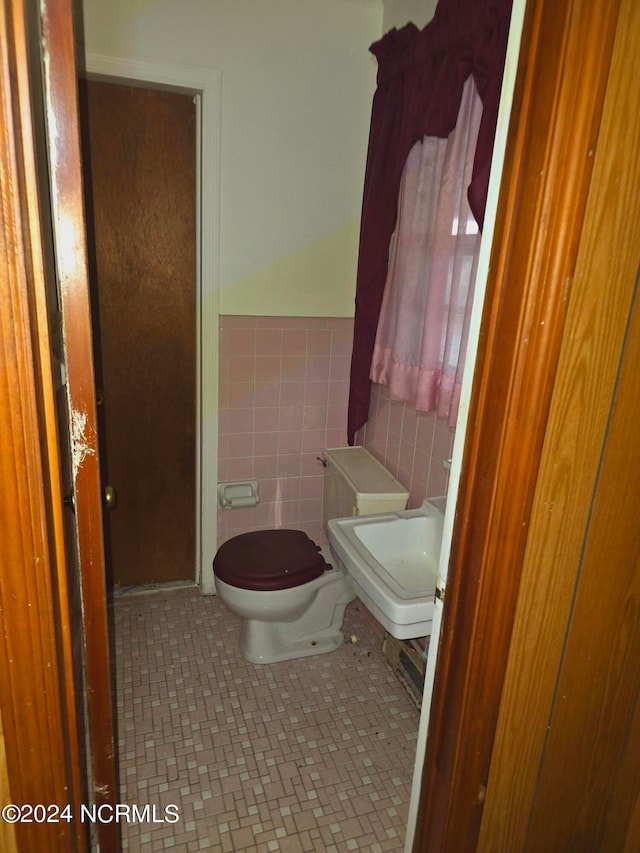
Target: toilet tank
<point>355,483</point>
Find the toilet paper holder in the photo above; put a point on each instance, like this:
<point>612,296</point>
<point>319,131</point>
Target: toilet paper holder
<point>237,494</point>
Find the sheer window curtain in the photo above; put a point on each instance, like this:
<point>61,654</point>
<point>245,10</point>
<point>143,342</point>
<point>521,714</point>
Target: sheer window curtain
<point>422,331</point>
<point>421,74</point>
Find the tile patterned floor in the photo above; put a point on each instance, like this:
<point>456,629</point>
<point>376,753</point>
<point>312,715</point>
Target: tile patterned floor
<point>308,755</point>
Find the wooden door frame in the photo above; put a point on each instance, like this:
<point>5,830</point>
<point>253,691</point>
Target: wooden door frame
<point>61,119</point>
<point>205,86</point>
<point>558,101</point>
<point>42,735</point>
<point>600,334</point>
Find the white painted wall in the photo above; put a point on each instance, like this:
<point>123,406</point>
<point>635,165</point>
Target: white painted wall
<point>397,13</point>
<point>297,85</point>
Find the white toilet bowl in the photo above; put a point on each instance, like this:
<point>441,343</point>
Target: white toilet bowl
<point>290,623</point>
<point>292,603</point>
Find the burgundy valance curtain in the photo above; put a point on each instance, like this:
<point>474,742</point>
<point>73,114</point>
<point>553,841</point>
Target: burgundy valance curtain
<point>421,74</point>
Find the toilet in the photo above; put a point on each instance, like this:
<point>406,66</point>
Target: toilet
<point>290,599</point>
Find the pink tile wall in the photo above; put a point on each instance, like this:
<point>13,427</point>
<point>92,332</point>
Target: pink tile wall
<point>411,445</point>
<point>284,383</point>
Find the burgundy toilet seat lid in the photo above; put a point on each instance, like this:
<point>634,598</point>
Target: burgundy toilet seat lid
<point>269,559</point>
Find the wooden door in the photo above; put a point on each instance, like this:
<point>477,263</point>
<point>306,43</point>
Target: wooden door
<point>588,779</point>
<point>139,149</point>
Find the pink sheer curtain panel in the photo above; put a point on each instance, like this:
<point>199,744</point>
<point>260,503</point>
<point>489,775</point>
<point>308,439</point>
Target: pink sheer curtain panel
<point>422,332</point>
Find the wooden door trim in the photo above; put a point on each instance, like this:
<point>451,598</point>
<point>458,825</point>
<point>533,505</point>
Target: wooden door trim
<point>37,691</point>
<point>61,111</point>
<point>563,68</point>
<point>206,83</point>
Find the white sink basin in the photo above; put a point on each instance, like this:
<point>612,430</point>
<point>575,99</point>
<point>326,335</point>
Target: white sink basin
<point>392,562</point>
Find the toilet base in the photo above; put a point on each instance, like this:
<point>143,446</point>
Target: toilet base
<point>263,642</point>
<point>315,631</point>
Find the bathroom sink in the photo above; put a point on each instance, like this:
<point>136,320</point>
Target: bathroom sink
<point>392,562</point>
